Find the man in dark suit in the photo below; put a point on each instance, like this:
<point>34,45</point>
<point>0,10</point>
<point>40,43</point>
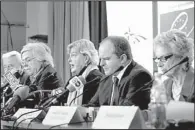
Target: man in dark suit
<point>118,64</point>
<point>38,63</point>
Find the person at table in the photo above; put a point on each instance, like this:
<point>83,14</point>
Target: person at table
<point>117,61</point>
<point>38,63</point>
<point>12,62</point>
<point>170,48</point>
<point>83,60</point>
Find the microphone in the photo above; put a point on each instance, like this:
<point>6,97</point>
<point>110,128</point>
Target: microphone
<point>64,91</point>
<point>146,84</point>
<point>38,91</point>
<point>74,84</point>
<point>11,78</point>
<point>19,95</point>
<point>181,62</point>
<point>87,105</point>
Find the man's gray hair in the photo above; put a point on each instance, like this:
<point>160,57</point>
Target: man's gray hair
<point>40,52</point>
<point>85,47</point>
<point>12,54</point>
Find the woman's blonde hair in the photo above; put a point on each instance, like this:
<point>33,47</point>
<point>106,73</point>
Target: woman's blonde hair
<point>178,42</point>
<point>85,47</point>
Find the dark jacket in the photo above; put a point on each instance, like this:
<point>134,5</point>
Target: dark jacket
<point>47,79</point>
<point>187,93</point>
<point>130,91</point>
<point>92,79</point>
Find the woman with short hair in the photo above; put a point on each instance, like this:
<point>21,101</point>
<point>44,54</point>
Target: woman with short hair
<point>170,48</point>
<point>83,60</point>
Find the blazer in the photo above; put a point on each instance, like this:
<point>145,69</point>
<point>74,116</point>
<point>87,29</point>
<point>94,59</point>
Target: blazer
<point>92,79</point>
<point>47,79</point>
<point>91,86</point>
<point>132,90</point>
<point>187,93</point>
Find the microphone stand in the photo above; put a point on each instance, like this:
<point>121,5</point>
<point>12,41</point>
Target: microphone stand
<point>181,62</point>
<point>119,69</point>
<point>3,98</point>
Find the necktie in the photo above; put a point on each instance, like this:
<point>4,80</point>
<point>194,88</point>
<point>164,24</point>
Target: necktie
<point>115,91</point>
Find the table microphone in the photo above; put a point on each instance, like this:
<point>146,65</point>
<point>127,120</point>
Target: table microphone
<point>38,91</point>
<point>19,95</point>
<point>16,75</point>
<point>119,69</point>
<point>74,84</point>
<point>181,62</point>
<point>64,91</point>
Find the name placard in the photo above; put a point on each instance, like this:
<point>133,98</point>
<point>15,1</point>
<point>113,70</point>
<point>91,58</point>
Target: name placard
<point>178,110</point>
<point>27,117</point>
<point>119,117</point>
<point>64,115</point>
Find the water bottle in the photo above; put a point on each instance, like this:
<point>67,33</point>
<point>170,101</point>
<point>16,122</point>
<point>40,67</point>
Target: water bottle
<point>158,104</point>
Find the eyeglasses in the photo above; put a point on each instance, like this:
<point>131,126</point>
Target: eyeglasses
<point>162,58</point>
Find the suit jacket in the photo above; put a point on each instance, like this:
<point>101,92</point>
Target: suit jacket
<point>47,79</point>
<point>91,86</point>
<point>130,91</point>
<point>187,93</point>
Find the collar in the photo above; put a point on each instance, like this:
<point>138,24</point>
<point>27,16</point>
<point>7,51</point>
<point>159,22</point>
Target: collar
<point>120,74</point>
<point>89,69</point>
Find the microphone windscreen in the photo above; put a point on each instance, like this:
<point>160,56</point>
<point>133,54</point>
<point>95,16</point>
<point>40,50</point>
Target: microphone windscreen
<point>11,78</point>
<point>76,83</point>
<point>82,79</point>
<point>4,85</point>
<point>22,92</point>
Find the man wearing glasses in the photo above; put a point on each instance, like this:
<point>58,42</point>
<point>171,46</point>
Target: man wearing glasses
<point>38,63</point>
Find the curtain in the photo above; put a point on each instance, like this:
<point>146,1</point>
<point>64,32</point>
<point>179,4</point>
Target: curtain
<point>97,21</point>
<point>155,28</point>
<point>68,22</point>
